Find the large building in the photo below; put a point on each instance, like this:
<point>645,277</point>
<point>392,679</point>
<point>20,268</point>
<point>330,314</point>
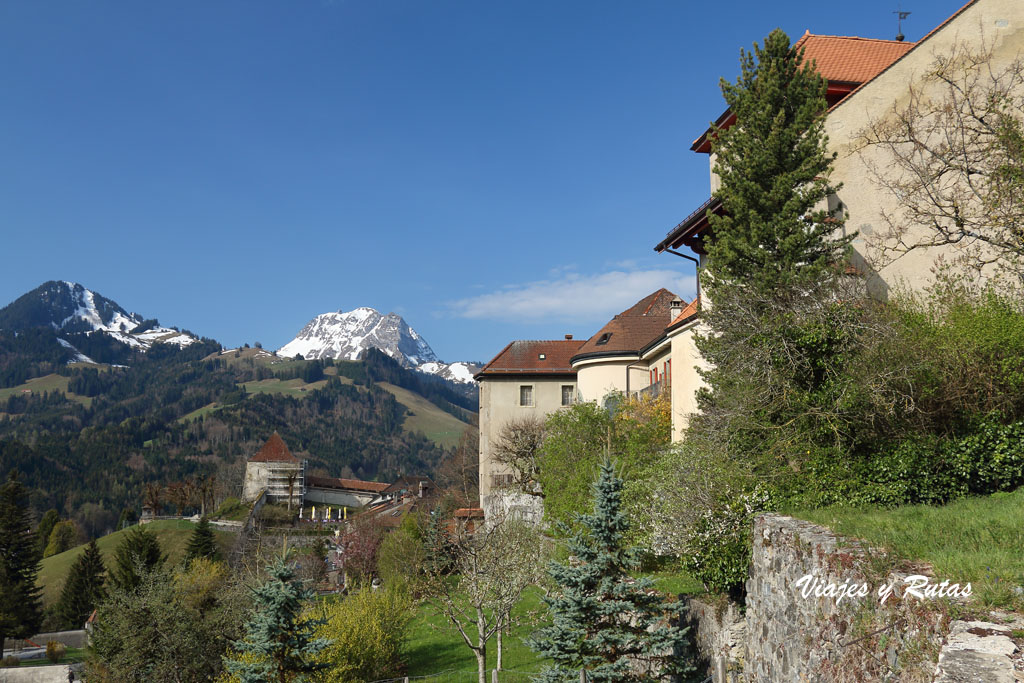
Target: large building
<point>527,379</point>
<point>630,355</point>
<point>650,347</point>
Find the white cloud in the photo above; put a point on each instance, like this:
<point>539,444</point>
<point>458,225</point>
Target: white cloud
<point>572,297</point>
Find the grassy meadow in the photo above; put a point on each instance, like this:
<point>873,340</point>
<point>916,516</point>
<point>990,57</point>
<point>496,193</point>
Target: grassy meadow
<point>440,427</point>
<point>977,539</point>
<point>173,535</point>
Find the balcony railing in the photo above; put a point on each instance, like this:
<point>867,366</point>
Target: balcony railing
<point>652,391</point>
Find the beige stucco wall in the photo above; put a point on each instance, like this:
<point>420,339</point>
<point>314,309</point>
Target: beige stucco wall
<point>685,379</point>
<point>499,404</point>
<point>999,23</point>
<point>600,377</point>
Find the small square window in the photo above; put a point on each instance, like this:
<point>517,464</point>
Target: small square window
<point>568,394</point>
<point>526,395</point>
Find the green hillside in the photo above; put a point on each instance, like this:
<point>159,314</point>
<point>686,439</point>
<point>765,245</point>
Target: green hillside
<point>440,427</point>
<point>173,535</point>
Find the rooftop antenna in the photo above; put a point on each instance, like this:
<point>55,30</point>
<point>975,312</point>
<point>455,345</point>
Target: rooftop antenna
<point>900,16</point>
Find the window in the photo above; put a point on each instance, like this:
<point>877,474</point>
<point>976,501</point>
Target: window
<point>501,480</point>
<point>568,394</point>
<point>526,395</point>
<point>604,339</point>
<point>668,372</point>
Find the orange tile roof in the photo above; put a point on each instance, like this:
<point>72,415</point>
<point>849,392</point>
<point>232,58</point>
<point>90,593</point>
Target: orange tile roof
<point>688,312</point>
<point>469,512</point>
<point>849,59</point>
<point>633,329</point>
<point>274,450</point>
<point>523,357</point>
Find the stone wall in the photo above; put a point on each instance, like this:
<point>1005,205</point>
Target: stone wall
<point>784,636</point>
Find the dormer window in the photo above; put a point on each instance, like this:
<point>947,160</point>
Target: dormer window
<point>604,339</point>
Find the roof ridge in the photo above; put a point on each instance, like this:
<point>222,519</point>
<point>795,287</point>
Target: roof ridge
<point>875,40</point>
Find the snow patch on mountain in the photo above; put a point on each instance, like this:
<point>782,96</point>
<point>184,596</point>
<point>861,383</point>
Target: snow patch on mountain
<point>347,335</point>
<point>71,308</point>
<point>79,356</point>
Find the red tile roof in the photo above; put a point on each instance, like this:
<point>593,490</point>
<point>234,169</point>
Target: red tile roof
<point>840,60</point>
<point>534,358</point>
<point>274,450</point>
<point>349,484</point>
<point>633,329</point>
<point>469,512</point>
<point>849,59</point>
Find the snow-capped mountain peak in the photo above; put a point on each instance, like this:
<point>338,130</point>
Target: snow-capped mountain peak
<point>347,335</point>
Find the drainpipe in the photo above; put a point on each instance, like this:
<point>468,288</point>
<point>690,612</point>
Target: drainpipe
<point>627,375</point>
<point>697,269</point>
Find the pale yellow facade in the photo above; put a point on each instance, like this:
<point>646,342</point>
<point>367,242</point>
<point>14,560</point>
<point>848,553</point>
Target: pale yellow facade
<point>995,23</point>
<point>501,401</point>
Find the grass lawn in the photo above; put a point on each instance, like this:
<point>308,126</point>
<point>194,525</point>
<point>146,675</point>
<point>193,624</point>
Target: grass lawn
<point>288,387</point>
<point>173,535</point>
<point>71,655</point>
<point>440,427</point>
<point>434,646</point>
<point>38,385</point>
<point>977,539</point>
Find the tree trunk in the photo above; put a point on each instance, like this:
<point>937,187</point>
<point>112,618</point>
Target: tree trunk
<point>481,663</point>
<point>481,649</point>
<point>501,625</point>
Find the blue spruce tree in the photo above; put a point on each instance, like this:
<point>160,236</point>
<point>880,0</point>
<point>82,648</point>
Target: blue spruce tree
<point>279,639</point>
<point>607,626</point>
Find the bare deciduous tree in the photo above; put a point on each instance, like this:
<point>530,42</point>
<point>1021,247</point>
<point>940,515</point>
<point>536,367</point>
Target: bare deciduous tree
<point>493,567</point>
<point>518,449</point>
<point>953,159</point>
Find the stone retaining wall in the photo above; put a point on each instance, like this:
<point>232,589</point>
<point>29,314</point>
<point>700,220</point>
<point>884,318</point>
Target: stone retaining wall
<point>784,636</point>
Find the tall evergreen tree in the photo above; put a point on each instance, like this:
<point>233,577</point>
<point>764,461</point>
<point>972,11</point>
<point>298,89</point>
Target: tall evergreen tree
<point>605,625</point>
<point>137,554</point>
<point>279,640</point>
<point>21,610</point>
<point>774,167</point>
<point>202,542</point>
<point>774,322</point>
<point>84,588</point>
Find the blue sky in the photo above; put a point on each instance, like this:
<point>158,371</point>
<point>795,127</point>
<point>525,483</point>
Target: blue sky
<point>489,170</point>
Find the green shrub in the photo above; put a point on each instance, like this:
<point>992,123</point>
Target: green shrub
<point>55,651</point>
<point>718,548</point>
<point>401,555</point>
<point>367,632</point>
<point>277,515</point>
<point>232,508</point>
<point>992,456</point>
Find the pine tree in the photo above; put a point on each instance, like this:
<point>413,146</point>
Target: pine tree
<point>279,642</point>
<point>774,167</point>
<point>202,542</point>
<point>20,604</point>
<point>137,554</point>
<point>605,625</point>
<point>84,588</point>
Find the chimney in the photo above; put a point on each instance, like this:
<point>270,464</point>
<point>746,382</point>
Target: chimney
<point>674,309</point>
<point>568,337</point>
